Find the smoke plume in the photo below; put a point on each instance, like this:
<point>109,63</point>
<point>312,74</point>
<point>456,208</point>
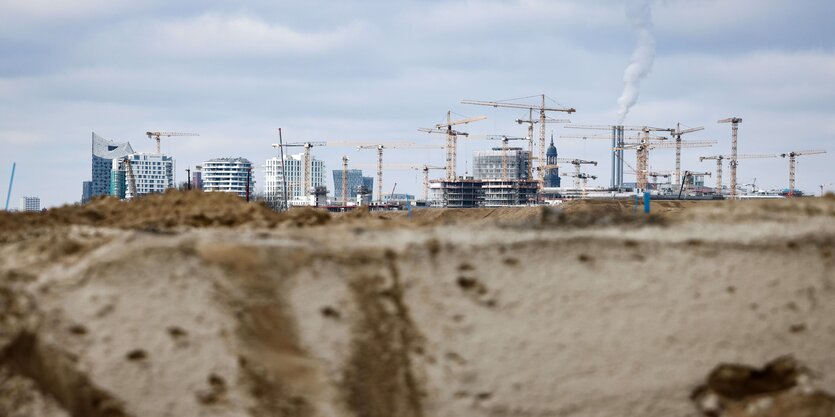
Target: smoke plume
<point>639,14</point>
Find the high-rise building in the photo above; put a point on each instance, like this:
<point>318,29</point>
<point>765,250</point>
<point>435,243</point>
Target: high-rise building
<point>552,175</point>
<point>294,164</point>
<point>30,204</point>
<point>152,173</point>
<point>488,164</point>
<point>228,175</point>
<point>104,152</point>
<point>355,181</point>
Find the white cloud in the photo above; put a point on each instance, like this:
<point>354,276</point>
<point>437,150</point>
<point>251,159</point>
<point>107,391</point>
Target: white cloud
<point>220,36</point>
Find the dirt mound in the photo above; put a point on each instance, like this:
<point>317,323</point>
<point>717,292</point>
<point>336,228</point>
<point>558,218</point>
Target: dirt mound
<point>161,212</point>
<point>781,388</point>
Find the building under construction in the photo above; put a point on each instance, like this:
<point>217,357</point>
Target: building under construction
<point>465,192</point>
<point>503,193</point>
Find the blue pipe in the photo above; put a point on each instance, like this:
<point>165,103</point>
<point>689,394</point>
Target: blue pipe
<point>11,181</point>
<point>646,202</point>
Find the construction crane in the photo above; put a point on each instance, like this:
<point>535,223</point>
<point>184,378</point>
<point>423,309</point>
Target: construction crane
<point>720,158</point>
<point>581,176</point>
<point>542,108</point>
<point>157,135</point>
<point>530,121</point>
<point>618,144</point>
<point>451,139</point>
<point>793,164</point>
<point>425,169</point>
<point>734,121</point>
<point>380,147</point>
<point>643,147</point>
<point>307,177</point>
<point>577,165</point>
<point>505,148</point>
<point>677,133</point>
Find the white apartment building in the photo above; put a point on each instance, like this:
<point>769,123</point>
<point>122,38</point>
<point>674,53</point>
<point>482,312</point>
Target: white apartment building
<point>153,174</point>
<point>294,164</point>
<point>228,175</point>
<point>30,204</point>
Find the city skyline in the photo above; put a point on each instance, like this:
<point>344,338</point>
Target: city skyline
<point>377,71</point>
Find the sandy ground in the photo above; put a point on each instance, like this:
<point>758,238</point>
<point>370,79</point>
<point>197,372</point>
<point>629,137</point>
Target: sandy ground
<point>187,304</point>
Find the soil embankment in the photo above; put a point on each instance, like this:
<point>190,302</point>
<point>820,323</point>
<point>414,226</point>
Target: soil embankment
<point>198,304</point>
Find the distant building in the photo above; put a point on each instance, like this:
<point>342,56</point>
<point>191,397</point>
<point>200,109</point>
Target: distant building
<point>355,181</point>
<point>86,191</point>
<point>487,165</point>
<point>104,152</point>
<point>30,204</point>
<point>397,198</point>
<point>152,173</point>
<point>228,175</point>
<point>506,193</point>
<point>552,175</point>
<point>197,178</point>
<point>294,165</point>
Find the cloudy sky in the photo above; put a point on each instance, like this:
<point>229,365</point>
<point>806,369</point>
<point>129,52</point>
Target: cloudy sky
<point>377,70</point>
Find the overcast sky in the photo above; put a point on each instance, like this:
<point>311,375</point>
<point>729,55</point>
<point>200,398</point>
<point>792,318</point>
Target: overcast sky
<point>378,70</point>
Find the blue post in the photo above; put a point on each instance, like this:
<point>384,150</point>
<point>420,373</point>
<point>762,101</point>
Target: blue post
<point>637,201</point>
<point>11,181</point>
<point>646,202</point>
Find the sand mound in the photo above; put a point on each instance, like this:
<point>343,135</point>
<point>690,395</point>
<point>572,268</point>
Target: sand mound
<point>538,316</point>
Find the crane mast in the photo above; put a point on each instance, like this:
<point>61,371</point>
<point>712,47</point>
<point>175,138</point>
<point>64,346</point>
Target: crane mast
<point>733,163</point>
<point>451,139</point>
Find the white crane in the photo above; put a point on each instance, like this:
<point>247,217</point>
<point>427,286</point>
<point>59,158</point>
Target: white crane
<point>793,164</point>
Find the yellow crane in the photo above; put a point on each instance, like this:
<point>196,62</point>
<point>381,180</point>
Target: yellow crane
<point>542,108</point>
<point>793,164</point>
<point>425,169</point>
<point>720,158</point>
<point>157,135</point>
<point>732,163</point>
<point>451,139</point>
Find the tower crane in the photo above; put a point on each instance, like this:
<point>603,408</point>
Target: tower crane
<point>734,121</point>
<point>542,108</point>
<point>451,139</point>
<point>426,169</point>
<point>530,121</point>
<point>581,176</point>
<point>720,158</point>
<point>677,133</point>
<point>157,135</point>
<point>618,143</point>
<point>577,165</point>
<point>380,147</point>
<point>505,140</point>
<point>793,164</point>
<point>307,183</point>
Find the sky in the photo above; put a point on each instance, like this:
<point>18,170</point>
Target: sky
<point>376,71</point>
